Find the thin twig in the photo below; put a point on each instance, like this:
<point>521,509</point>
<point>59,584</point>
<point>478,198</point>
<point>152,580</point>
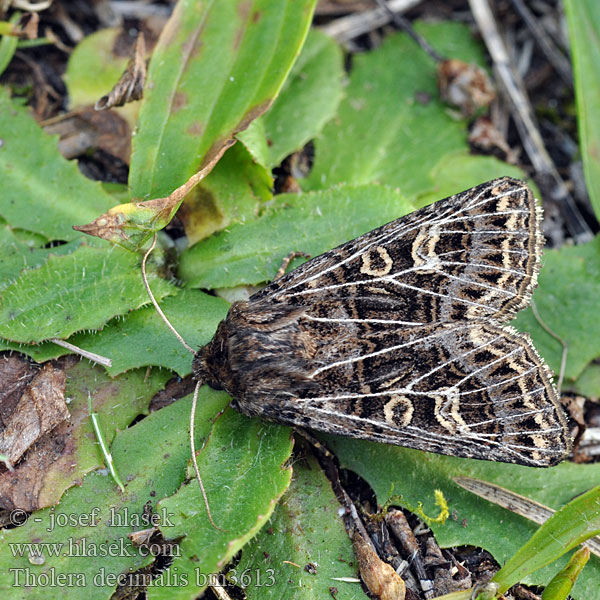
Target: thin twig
<point>104,446</point>
<point>101,360</point>
<point>565,347</point>
<point>350,27</point>
<point>153,299</point>
<point>555,57</point>
<point>547,176</point>
<point>407,27</point>
<point>139,10</point>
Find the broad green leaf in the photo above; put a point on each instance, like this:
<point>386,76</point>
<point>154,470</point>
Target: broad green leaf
<point>41,191</point>
<point>251,253</point>
<point>142,339</point>
<point>567,302</point>
<point>584,32</point>
<point>305,529</point>
<point>93,67</point>
<point>588,383</point>
<point>82,290</point>
<point>392,128</point>
<point>233,191</point>
<point>573,524</point>
<point>308,99</point>
<point>93,548</point>
<point>411,476</point>
<point>243,465</point>
<point>461,171</point>
<point>216,67</point>
<point>20,250</point>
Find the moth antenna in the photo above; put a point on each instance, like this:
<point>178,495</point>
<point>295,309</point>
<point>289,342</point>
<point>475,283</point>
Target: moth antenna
<point>198,383</point>
<point>565,347</point>
<point>194,461</point>
<point>153,299</point>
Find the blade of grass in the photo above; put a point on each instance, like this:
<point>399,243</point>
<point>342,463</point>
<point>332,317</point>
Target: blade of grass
<point>574,523</point>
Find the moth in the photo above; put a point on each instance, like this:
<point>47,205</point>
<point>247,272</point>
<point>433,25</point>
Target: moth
<point>400,336</point>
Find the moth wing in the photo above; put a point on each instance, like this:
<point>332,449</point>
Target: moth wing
<point>472,255</point>
<point>474,390</point>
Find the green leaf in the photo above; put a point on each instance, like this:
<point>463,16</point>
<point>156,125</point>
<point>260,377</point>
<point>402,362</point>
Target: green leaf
<point>93,67</point>
<point>584,32</point>
<point>8,42</point>
<point>460,171</point>
<point>561,585</point>
<point>82,290</point>
<point>233,191</point>
<point>588,383</point>
<point>566,300</point>
<point>411,476</point>
<point>308,99</point>
<point>94,549</point>
<point>41,191</point>
<point>251,253</point>
<point>305,529</point>
<point>573,524</point>
<point>392,128</point>
<point>141,338</point>
<point>216,67</point>
<point>243,468</point>
<point>20,250</point>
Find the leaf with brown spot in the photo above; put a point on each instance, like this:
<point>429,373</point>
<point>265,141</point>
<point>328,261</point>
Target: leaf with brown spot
<point>233,192</point>
<point>182,135</point>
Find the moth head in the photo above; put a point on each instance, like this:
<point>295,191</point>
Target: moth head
<point>199,368</point>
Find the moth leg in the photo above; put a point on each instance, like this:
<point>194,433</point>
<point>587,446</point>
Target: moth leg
<point>286,262</point>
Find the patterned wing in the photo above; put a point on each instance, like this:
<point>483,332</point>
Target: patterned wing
<point>472,255</point>
<point>396,337</point>
<point>473,390</point>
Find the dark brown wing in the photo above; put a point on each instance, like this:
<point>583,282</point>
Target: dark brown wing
<point>473,390</point>
<point>397,337</point>
<point>473,255</point>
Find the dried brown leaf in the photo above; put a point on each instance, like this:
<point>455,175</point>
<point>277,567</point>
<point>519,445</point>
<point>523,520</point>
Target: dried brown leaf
<point>130,86</point>
<point>39,410</point>
<point>486,137</point>
<point>380,578</point>
<point>87,129</point>
<point>464,85</point>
